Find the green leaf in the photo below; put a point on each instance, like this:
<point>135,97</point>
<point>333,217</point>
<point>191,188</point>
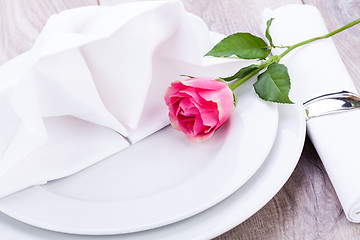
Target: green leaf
<point>274,84</point>
<point>242,72</point>
<point>242,45</point>
<point>267,34</point>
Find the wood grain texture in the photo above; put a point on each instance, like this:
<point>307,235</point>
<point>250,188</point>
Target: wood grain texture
<point>226,16</point>
<point>22,20</point>
<point>307,206</point>
<point>229,16</point>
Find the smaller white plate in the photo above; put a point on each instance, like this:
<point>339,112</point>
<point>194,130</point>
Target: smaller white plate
<point>157,181</point>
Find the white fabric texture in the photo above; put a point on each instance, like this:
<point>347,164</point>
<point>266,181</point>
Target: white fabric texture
<point>92,84</point>
<point>316,69</point>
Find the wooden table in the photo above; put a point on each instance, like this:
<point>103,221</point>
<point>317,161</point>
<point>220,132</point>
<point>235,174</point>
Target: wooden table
<point>307,206</point>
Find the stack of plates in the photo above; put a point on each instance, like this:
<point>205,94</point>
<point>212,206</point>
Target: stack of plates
<point>165,187</point>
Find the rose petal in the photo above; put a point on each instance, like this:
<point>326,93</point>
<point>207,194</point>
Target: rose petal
<point>224,100</point>
<point>208,110</point>
<point>190,118</point>
<point>187,108</point>
<point>204,83</point>
<point>210,117</point>
<point>191,93</point>
<point>174,121</point>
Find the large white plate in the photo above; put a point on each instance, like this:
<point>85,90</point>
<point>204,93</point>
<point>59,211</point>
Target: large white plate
<point>158,181</point>
<point>254,194</point>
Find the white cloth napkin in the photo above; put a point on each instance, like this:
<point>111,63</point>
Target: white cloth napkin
<point>93,84</point>
<point>316,69</point>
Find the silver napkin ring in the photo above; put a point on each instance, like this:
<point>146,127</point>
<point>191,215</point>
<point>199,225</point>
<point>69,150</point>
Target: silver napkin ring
<point>331,103</point>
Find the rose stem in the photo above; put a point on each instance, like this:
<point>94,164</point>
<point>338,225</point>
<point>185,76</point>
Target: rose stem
<point>277,58</point>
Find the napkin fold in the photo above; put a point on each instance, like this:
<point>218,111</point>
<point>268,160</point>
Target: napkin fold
<point>315,69</point>
<point>93,84</point>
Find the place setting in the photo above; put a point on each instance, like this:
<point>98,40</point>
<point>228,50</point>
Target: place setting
<point>91,146</point>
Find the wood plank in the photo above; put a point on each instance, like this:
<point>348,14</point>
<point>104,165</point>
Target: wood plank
<point>229,16</point>
<point>22,21</point>
<point>226,16</point>
<point>114,2</point>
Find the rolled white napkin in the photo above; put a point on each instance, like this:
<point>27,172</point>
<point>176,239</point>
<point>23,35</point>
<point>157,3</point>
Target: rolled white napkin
<point>95,76</point>
<point>315,69</point>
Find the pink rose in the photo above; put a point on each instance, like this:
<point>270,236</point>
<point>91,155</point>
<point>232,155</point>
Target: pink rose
<point>199,106</point>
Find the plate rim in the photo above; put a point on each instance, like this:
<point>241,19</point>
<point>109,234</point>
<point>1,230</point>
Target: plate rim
<point>16,228</point>
<point>9,209</point>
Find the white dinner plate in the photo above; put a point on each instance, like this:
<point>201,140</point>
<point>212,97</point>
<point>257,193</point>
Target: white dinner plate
<point>235,209</point>
<point>160,180</point>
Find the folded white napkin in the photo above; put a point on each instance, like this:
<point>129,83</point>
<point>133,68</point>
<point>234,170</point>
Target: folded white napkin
<point>316,69</point>
<point>95,76</point>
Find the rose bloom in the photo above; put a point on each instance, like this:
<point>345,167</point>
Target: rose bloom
<point>199,106</point>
